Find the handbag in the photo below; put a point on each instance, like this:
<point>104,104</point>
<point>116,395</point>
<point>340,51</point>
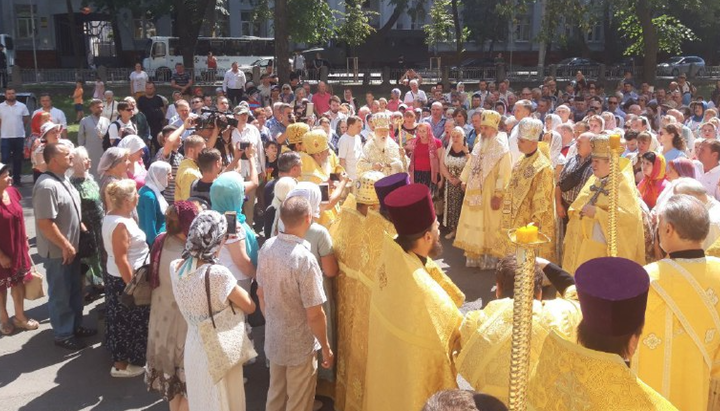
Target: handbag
<point>33,283</point>
<point>256,319</point>
<point>223,337</point>
<point>138,292</point>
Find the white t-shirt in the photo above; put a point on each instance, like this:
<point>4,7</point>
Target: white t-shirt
<point>250,134</point>
<point>225,257</point>
<point>350,149</point>
<point>12,119</point>
<point>710,180</point>
<point>138,81</point>
<point>114,132</point>
<point>56,116</point>
<point>110,110</point>
<point>138,250</point>
<point>410,97</point>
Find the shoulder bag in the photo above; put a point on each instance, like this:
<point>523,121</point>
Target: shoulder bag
<point>223,337</point>
<point>138,292</point>
<point>33,283</point>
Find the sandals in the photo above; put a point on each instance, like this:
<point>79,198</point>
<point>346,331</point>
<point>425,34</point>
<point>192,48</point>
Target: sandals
<point>71,344</point>
<point>28,324</point>
<point>6,328</point>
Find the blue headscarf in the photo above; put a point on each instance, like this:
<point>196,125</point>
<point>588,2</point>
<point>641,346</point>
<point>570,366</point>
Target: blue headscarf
<point>227,194</point>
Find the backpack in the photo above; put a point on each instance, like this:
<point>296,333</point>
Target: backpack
<point>106,138</point>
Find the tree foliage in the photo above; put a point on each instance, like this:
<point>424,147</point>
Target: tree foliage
<point>441,28</point>
<point>493,26</point>
<point>354,27</point>
<point>670,39</point>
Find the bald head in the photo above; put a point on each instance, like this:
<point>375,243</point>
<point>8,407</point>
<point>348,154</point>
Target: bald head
<point>691,187</point>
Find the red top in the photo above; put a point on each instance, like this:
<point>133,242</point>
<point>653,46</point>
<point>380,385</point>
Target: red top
<point>13,241</point>
<point>321,101</point>
<point>212,63</point>
<point>422,155</point>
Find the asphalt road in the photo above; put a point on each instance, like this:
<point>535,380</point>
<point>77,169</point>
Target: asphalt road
<point>35,375</point>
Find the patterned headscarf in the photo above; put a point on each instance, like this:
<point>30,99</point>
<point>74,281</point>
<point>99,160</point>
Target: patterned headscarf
<point>186,212</point>
<point>206,236</point>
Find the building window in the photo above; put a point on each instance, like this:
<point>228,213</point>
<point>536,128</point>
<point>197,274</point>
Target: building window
<point>523,28</point>
<point>143,29</point>
<point>595,34</point>
<point>247,26</point>
<point>24,21</point>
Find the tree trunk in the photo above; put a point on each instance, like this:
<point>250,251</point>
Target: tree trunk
<point>610,42</point>
<point>190,16</point>
<point>650,40</point>
<point>79,60</point>
<point>282,41</point>
<point>400,7</point>
<point>458,31</point>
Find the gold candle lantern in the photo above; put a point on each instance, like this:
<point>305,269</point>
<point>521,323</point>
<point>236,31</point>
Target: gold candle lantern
<point>614,182</point>
<point>527,240</point>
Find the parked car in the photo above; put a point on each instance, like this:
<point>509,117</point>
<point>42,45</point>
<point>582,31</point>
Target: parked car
<point>477,62</point>
<point>681,64</point>
<point>577,62</point>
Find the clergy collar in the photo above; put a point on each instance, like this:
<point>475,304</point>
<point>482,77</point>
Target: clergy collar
<point>531,154</point>
<point>698,253</point>
<point>423,260</point>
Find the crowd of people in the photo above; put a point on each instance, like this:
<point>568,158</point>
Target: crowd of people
<point>323,214</point>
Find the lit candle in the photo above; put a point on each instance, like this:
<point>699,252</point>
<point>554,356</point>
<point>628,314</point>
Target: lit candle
<point>527,234</point>
<point>615,142</point>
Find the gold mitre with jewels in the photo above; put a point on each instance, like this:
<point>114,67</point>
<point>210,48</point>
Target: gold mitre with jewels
<point>365,188</point>
<point>530,129</point>
<point>295,132</point>
<point>315,141</point>
<point>600,144</point>
<point>490,118</point>
<point>381,120</point>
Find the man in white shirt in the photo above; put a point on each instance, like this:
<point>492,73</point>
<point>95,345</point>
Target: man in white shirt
<point>248,133</point>
<point>709,155</point>
<point>415,94</point>
<point>56,115</point>
<point>299,64</point>
<point>694,188</point>
<point>350,146</point>
<point>14,116</point>
<point>234,83</point>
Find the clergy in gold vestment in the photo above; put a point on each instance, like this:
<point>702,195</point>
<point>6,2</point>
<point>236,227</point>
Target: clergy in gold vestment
<point>593,375</point>
<point>484,178</point>
<point>679,352</point>
<point>486,334</point>
<point>356,244</point>
<point>318,162</point>
<point>414,322</point>
<point>380,152</point>
<point>529,195</point>
<point>587,232</point>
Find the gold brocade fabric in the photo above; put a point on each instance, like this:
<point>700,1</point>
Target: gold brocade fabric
<point>679,350</point>
<point>570,377</point>
<point>356,242</point>
<point>714,249</point>
<point>486,338</point>
<point>313,172</point>
<point>414,333</point>
<point>389,157</point>
<point>485,156</point>
<point>586,237</point>
<point>479,223</point>
<point>529,198</point>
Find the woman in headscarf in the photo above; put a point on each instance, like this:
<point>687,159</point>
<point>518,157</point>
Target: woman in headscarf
<point>553,138</point>
<point>200,259</point>
<point>676,169</point>
<point>239,254</point>
<point>272,215</point>
<point>136,147</point>
<point>697,118</point>
<point>451,166</point>
<point>321,246</point>
<point>92,215</point>
<point>167,329</point>
<point>113,166</point>
<point>152,204</point>
<point>653,182</point>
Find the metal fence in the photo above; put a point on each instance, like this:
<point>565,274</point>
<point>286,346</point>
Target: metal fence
<point>362,76</point>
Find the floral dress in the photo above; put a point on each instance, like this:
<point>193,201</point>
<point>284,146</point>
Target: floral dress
<point>13,240</point>
<point>92,215</point>
<point>454,162</point>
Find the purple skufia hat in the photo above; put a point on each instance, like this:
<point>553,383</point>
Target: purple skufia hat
<point>387,185</point>
<point>411,209</point>
<point>613,295</point>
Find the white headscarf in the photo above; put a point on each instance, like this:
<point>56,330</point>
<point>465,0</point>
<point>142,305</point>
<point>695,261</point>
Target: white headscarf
<point>133,143</point>
<point>283,186</point>
<point>311,192</point>
<point>157,180</point>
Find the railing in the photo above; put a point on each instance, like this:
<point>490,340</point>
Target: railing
<point>364,76</point>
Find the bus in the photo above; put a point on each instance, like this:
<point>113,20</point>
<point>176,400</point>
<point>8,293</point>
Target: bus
<point>7,41</point>
<point>162,53</point>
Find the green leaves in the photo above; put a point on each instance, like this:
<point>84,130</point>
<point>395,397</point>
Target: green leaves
<point>354,27</point>
<point>672,33</point>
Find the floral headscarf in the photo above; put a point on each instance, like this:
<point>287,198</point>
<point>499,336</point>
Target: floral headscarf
<point>206,236</point>
<point>186,212</point>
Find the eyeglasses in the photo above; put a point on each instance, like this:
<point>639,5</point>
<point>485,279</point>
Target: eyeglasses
<point>196,101</point>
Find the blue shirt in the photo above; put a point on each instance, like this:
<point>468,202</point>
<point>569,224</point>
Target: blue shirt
<point>150,219</point>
